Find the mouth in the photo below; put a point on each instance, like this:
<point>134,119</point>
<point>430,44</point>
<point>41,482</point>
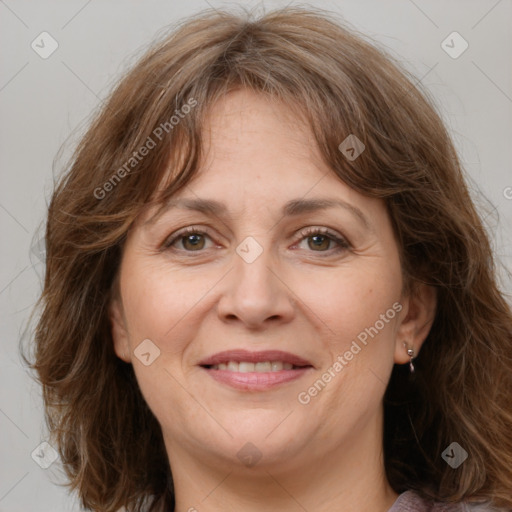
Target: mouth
<point>255,371</point>
<point>247,366</point>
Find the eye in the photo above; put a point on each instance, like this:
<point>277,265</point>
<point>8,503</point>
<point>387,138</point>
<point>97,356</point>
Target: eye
<point>191,239</point>
<point>321,239</point>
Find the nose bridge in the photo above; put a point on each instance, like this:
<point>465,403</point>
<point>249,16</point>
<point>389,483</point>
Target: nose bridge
<point>253,261</point>
<point>254,293</point>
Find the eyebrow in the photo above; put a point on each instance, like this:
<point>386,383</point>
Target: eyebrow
<point>294,207</point>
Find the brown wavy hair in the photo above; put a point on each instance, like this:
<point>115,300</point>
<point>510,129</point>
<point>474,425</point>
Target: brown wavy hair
<point>339,83</point>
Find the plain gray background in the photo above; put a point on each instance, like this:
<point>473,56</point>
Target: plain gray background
<point>45,101</point>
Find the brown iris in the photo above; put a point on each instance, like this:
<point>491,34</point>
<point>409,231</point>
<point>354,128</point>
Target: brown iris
<point>320,242</point>
<point>196,241</point>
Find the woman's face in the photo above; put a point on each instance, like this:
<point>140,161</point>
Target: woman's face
<point>283,265</point>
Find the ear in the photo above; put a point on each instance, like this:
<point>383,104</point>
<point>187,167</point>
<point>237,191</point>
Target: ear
<point>419,310</point>
<point>119,331</point>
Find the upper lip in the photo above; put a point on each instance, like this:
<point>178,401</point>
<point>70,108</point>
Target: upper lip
<point>241,355</point>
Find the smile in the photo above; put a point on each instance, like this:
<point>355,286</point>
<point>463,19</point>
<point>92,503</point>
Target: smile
<point>255,371</point>
<point>262,367</point>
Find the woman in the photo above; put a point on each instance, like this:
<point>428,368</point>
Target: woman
<point>267,287</point>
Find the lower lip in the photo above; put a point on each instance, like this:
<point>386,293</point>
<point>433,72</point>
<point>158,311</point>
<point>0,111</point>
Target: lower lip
<point>256,381</point>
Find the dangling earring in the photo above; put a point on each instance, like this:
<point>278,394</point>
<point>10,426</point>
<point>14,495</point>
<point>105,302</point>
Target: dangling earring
<point>410,353</point>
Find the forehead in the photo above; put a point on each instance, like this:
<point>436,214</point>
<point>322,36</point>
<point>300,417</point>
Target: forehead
<point>248,135</point>
<point>258,154</point>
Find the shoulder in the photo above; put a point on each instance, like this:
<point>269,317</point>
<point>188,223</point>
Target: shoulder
<point>410,501</point>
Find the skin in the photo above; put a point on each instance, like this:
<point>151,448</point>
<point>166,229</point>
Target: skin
<point>300,295</point>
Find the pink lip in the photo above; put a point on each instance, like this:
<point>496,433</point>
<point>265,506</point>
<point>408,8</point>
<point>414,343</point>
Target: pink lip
<point>255,381</point>
<point>240,355</point>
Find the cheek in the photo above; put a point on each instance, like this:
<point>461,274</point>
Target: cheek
<point>158,300</point>
<point>362,309</point>
<point>358,309</point>
<point>358,312</point>
<point>351,299</point>
<point>159,306</point>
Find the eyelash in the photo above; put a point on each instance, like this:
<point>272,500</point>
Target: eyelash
<point>343,244</point>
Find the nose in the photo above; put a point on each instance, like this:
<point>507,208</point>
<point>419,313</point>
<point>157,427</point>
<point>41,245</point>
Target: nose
<point>256,294</point>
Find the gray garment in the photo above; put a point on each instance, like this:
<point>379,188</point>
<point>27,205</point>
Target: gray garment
<point>410,501</point>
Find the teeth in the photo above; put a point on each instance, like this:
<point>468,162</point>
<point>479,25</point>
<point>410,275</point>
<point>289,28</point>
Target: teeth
<point>232,366</point>
<point>261,367</point>
<point>245,367</point>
